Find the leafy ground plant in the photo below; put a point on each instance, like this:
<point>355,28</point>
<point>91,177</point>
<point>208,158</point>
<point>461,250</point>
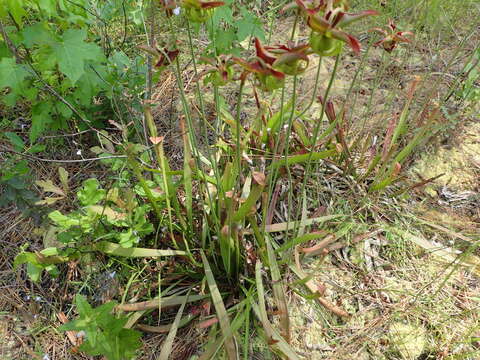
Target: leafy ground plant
<point>102,333</point>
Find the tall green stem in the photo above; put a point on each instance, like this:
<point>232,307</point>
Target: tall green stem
<point>316,131</point>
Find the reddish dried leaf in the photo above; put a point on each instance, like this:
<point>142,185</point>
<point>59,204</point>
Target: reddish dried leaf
<point>211,4</point>
<point>207,323</point>
<point>156,139</point>
<point>259,178</point>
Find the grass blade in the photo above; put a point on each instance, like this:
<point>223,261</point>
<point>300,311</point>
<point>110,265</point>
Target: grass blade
<point>241,318</point>
<point>274,122</point>
<point>221,310</point>
<point>160,303</point>
<point>255,193</point>
<point>278,290</point>
<point>293,224</point>
<point>297,159</point>
<point>401,127</point>
<point>301,239</point>
<point>261,312</point>
<point>187,173</point>
<point>466,260</point>
<point>161,329</point>
<point>168,343</point>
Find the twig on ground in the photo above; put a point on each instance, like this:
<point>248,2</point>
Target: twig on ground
<point>3,148</point>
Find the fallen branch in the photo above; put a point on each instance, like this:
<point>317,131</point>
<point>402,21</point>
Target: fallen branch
<point>318,249</point>
<point>355,240</point>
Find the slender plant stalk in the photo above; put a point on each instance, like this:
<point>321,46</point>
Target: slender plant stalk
<point>316,131</point>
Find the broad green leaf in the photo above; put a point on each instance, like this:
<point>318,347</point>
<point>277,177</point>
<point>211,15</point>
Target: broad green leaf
<point>72,52</point>
<point>62,220</point>
<point>127,238</point>
<point>224,13</point>
<point>117,250</point>
<point>41,119</point>
<point>105,334</point>
<point>36,148</point>
<point>23,258</point>
<point>12,75</point>
<point>37,263</point>
<point>48,6</point>
<point>90,84</point>
<point>15,8</point>
<point>38,35</point>
<point>64,110</point>
<point>91,193</point>
<point>82,304</point>
<point>4,50</point>
<point>120,60</point>
<point>34,271</point>
<point>224,39</point>
<point>15,140</point>
<point>249,25</point>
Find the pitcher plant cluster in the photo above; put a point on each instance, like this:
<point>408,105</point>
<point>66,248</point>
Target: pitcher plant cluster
<point>326,19</point>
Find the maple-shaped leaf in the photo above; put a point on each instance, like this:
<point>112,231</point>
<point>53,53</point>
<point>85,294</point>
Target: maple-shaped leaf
<point>249,25</point>
<point>37,35</point>
<point>13,8</point>
<point>12,75</point>
<point>72,52</point>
